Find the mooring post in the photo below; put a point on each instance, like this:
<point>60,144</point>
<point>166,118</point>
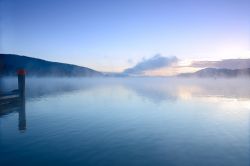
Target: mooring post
<point>21,82</point>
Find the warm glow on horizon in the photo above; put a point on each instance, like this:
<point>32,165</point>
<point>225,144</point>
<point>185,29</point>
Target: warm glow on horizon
<point>171,71</point>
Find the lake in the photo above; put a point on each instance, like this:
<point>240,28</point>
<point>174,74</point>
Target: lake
<point>127,121</point>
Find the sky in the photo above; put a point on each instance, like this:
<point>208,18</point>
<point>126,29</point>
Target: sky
<point>114,36</point>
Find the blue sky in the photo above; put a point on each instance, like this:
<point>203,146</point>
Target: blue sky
<point>114,35</point>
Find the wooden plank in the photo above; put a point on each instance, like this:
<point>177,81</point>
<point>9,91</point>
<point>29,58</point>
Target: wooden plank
<point>6,94</point>
<point>9,107</point>
<point>9,99</point>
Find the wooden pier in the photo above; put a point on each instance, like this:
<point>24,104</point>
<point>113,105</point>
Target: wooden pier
<point>15,100</point>
<point>17,94</point>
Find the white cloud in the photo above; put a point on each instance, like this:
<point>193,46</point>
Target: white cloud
<point>153,63</point>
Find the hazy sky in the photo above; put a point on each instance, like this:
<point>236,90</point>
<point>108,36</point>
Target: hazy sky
<point>114,35</point>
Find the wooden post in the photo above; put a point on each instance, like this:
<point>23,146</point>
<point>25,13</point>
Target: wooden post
<point>21,82</point>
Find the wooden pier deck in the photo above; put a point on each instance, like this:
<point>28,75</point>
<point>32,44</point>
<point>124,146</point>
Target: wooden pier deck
<point>17,94</point>
<point>8,98</point>
<point>14,100</point>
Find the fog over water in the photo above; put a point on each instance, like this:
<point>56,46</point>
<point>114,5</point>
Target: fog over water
<point>127,121</point>
<point>155,88</point>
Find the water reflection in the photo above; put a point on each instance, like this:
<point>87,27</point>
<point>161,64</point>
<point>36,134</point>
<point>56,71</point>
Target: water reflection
<point>22,116</point>
<point>153,89</point>
<point>156,89</point>
<point>93,121</point>
<point>163,89</point>
<point>16,105</point>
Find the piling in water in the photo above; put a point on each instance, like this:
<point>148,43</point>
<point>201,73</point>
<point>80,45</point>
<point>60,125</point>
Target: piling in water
<point>21,82</point>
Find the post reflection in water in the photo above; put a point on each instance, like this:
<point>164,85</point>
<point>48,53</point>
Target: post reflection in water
<point>22,116</point>
<point>15,105</point>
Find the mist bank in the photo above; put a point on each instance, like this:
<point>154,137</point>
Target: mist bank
<point>10,63</point>
<point>157,89</point>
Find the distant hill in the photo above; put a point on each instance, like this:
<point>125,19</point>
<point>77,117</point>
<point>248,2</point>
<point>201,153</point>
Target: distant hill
<point>9,63</point>
<point>213,72</point>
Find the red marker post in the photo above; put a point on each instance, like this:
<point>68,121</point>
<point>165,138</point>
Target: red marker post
<point>21,82</point>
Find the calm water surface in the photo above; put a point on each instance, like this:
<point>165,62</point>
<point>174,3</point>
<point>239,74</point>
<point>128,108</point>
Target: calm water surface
<point>127,121</point>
